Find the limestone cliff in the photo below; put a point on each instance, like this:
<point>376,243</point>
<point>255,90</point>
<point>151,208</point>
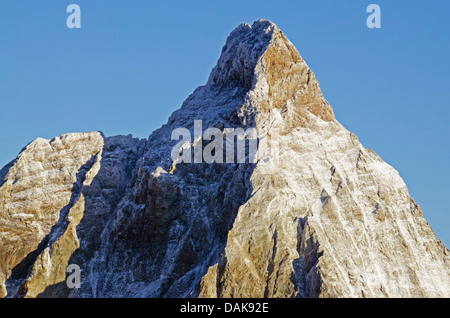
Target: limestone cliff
<point>326,217</point>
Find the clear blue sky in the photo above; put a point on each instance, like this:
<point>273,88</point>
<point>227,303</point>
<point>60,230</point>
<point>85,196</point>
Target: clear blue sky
<point>134,62</point>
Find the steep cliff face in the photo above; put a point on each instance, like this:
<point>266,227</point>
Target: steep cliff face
<point>323,217</point>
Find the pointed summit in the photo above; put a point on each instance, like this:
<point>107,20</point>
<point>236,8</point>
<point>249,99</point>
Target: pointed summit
<point>241,53</point>
<point>261,58</point>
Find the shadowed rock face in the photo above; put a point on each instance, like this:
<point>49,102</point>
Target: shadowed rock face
<point>325,218</point>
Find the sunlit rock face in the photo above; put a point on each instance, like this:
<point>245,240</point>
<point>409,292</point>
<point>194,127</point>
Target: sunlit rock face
<point>325,217</point>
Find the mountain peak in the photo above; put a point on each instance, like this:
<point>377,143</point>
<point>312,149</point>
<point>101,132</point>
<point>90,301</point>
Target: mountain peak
<point>243,48</point>
<point>323,217</point>
<point>261,58</point>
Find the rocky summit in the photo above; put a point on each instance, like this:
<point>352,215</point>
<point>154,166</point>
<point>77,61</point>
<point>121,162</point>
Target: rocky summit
<point>325,217</point>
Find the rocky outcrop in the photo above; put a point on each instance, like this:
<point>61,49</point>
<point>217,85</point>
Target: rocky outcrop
<point>43,204</point>
<point>323,217</point>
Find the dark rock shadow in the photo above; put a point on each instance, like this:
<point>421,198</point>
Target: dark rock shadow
<point>306,277</point>
<point>171,230</point>
<point>206,239</point>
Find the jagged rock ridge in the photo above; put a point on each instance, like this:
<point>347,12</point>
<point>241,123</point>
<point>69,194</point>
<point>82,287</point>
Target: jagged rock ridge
<point>327,218</point>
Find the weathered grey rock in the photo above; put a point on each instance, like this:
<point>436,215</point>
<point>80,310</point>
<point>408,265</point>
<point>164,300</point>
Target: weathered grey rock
<point>325,217</point>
